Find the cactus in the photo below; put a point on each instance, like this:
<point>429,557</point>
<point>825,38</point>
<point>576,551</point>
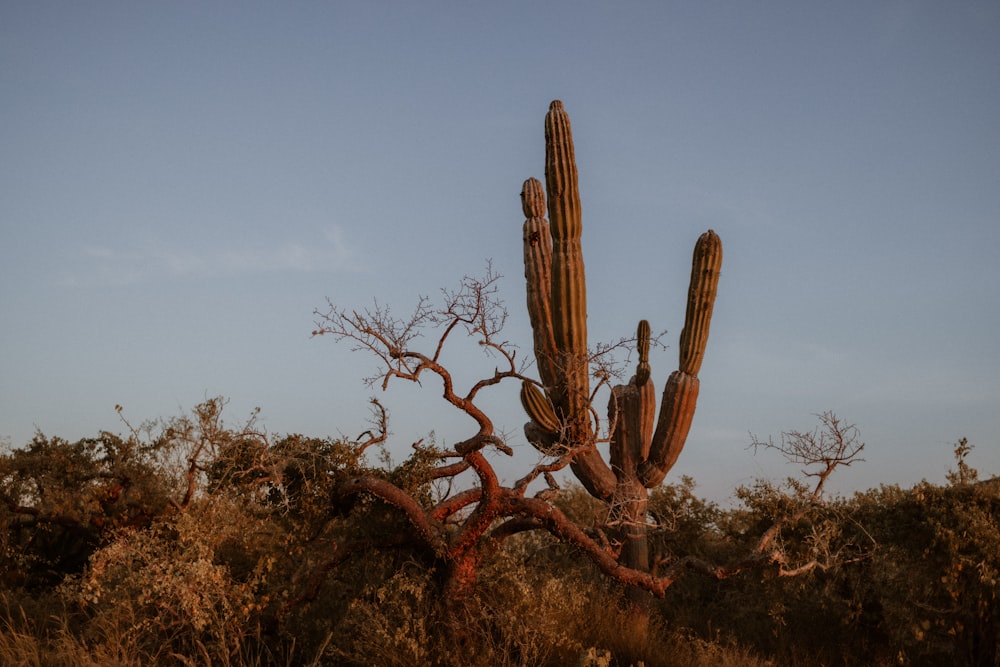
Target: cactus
<point>705,267</point>
<point>642,370</point>
<point>568,287</point>
<point>539,408</point>
<point>557,305</point>
<point>681,393</point>
<point>640,456</point>
<point>537,275</point>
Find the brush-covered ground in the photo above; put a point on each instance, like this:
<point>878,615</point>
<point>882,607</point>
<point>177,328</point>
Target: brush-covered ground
<point>187,543</point>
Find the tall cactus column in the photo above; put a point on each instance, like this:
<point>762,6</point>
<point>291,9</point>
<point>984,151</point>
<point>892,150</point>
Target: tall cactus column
<point>558,308</point>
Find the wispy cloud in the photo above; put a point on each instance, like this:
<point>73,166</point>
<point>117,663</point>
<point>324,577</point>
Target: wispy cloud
<point>329,252</point>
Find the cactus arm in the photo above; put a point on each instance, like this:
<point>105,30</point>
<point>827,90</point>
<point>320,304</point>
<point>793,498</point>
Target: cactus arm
<point>539,408</point>
<point>561,178</point>
<point>676,414</point>
<point>680,395</point>
<point>647,416</point>
<point>705,267</point>
<point>547,442</point>
<point>594,474</point>
<point>538,277</point>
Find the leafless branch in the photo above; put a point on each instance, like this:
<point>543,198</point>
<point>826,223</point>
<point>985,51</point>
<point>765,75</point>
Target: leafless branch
<point>606,362</point>
<point>473,308</point>
<point>545,469</point>
<point>829,446</point>
<point>380,420</point>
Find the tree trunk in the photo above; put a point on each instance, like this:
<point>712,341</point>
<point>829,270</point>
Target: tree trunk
<point>460,604</point>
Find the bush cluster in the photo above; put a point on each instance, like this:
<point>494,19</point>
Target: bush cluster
<point>918,581</point>
<point>188,542</point>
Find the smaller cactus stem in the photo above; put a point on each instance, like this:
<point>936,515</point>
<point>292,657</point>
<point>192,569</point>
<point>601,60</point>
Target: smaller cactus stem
<point>647,416</point>
<point>676,414</point>
<point>642,336</point>
<point>642,370</point>
<point>631,413</point>
<point>705,267</point>
<point>539,408</point>
<point>538,276</point>
<point>624,415</point>
<point>533,199</point>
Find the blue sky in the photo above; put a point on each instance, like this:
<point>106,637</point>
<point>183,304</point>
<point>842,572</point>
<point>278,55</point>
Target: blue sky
<point>183,183</point>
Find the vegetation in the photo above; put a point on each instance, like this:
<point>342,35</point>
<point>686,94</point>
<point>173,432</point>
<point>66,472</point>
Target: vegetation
<point>265,562</point>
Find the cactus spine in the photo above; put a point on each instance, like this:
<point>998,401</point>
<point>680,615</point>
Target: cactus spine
<point>640,456</point>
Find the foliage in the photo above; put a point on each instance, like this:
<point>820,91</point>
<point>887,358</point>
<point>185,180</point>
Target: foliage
<point>921,588</point>
<point>268,565</point>
<point>58,501</point>
<point>169,590</point>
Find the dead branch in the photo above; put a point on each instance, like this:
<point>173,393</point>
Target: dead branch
<point>829,446</point>
<point>380,420</point>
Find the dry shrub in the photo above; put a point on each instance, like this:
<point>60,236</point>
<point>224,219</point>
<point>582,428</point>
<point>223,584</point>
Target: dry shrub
<point>164,594</point>
<point>390,624</point>
<point>522,617</point>
<point>529,616</point>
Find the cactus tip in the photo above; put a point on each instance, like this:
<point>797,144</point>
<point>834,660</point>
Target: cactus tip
<point>533,198</point>
<point>642,370</point>
<point>556,105</point>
